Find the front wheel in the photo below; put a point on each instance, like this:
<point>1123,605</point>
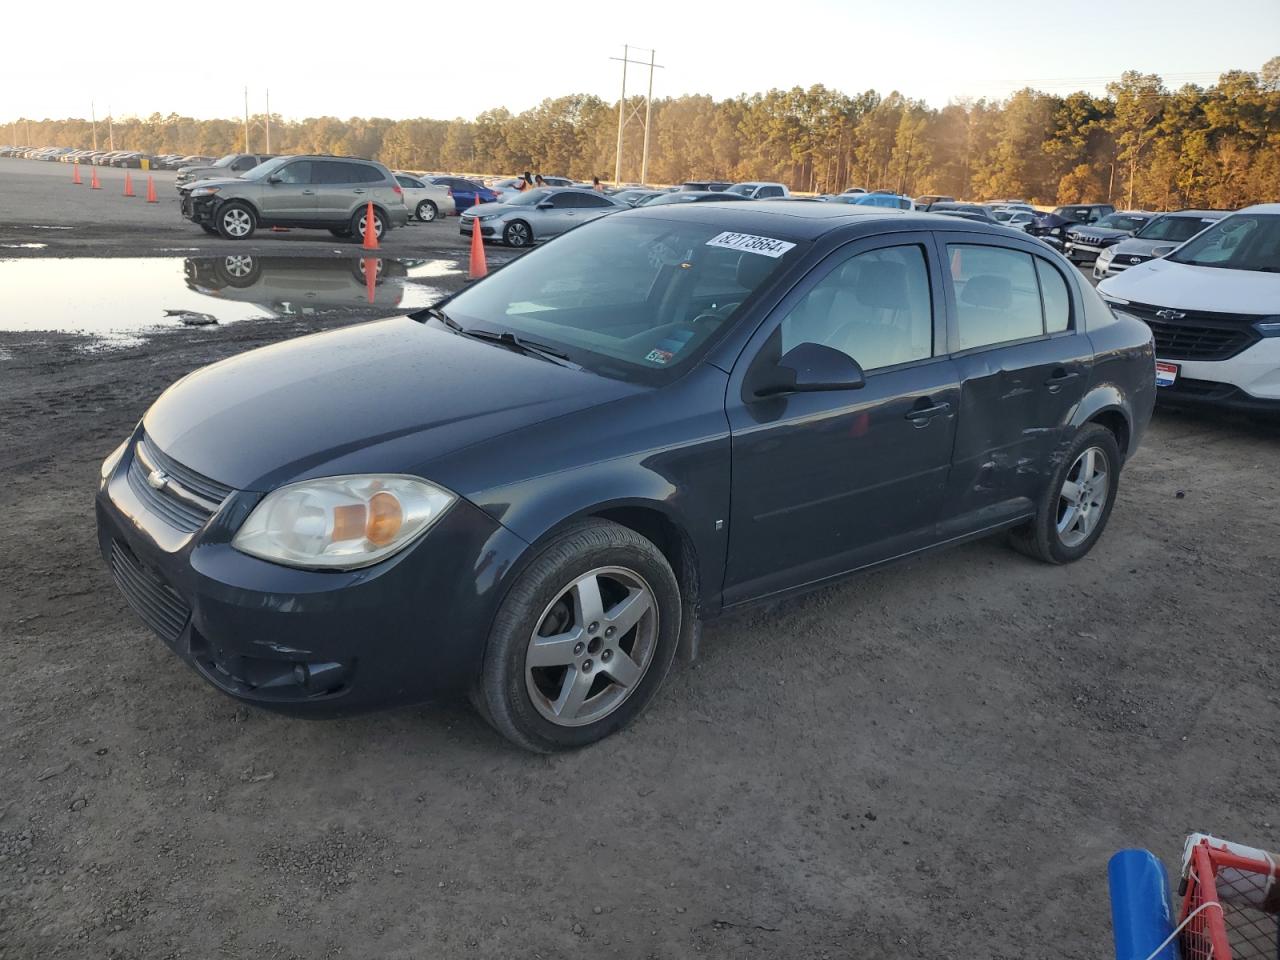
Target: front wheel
<point>236,221</point>
<point>1077,501</point>
<point>583,641</point>
<point>427,211</point>
<point>517,234</point>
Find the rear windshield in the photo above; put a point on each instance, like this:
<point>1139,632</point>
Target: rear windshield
<point>630,297</point>
<point>1242,241</point>
<point>1173,228</point>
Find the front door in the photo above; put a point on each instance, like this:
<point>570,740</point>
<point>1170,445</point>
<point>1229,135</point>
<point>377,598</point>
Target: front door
<point>826,482</point>
<point>1023,368</point>
<point>288,195</point>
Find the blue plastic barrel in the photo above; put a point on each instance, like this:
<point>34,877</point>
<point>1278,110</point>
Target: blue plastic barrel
<point>1141,916</point>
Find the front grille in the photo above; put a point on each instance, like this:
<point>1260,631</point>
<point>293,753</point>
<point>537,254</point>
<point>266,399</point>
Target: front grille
<point>1198,335</point>
<point>1091,241</point>
<point>186,501</point>
<point>154,601</point>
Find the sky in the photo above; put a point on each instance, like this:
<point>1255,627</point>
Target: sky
<point>446,60</point>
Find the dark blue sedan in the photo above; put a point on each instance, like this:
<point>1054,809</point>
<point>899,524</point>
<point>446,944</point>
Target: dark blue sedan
<point>465,192</point>
<point>538,490</point>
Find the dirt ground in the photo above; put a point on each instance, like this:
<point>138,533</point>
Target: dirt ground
<point>934,760</point>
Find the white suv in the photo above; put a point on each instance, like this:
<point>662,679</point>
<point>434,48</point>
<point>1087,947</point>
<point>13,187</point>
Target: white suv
<point>1214,307</point>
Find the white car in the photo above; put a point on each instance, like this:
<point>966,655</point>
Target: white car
<point>1214,307</point>
<point>759,190</point>
<point>426,201</point>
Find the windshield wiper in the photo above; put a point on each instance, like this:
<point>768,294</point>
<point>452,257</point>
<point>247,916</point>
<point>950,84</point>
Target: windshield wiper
<point>505,338</point>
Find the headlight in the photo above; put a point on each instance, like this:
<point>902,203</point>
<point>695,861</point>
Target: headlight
<point>205,191</point>
<point>1118,301</point>
<point>113,458</point>
<point>341,522</point>
<point>1056,232</point>
<point>487,216</point>
<point>1268,326</point>
<point>1108,254</point>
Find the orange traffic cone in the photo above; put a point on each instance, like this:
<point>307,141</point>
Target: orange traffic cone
<point>370,232</point>
<point>151,190</point>
<point>128,185</point>
<point>75,177</point>
<point>370,276</point>
<point>93,180</point>
<point>477,268</point>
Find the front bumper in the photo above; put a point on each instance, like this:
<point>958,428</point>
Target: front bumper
<point>310,642</point>
<point>1082,252</point>
<point>466,226</point>
<point>199,209</point>
<point>1249,381</point>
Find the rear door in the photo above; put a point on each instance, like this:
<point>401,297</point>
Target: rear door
<point>1023,366</point>
<point>288,195</point>
<point>825,482</point>
<point>592,205</point>
<point>340,189</point>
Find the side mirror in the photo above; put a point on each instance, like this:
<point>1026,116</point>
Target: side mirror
<point>274,178</point>
<point>544,205</point>
<point>811,367</point>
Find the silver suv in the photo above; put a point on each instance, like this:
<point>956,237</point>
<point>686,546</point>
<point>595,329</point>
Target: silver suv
<point>232,165</point>
<point>330,193</point>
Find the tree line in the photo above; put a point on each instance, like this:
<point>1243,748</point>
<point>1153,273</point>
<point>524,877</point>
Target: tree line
<point>1140,145</point>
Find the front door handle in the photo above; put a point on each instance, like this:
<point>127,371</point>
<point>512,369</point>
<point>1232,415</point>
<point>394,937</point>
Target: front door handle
<point>922,415</point>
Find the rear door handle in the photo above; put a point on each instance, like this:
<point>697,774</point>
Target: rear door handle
<point>921,415</point>
<point>1060,377</point>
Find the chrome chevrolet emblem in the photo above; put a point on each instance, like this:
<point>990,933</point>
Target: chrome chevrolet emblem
<point>1170,314</point>
<point>157,479</point>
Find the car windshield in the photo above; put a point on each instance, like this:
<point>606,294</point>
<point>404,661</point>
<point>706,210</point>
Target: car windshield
<point>742,189</point>
<point>530,197</point>
<point>631,297</point>
<point>1175,229</point>
<point>1242,241</point>
<point>265,169</point>
<point>227,160</point>
<point>1116,221</point>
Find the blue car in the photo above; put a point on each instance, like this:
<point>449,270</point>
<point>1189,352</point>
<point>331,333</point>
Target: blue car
<point>464,191</point>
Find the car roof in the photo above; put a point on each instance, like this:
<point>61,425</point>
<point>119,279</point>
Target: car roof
<point>783,220</point>
<point>1260,208</point>
<point>1217,214</point>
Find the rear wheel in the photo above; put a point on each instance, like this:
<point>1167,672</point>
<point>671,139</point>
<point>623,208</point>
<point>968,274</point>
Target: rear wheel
<point>517,234</point>
<point>236,221</point>
<point>358,222</point>
<point>1077,501</point>
<point>427,211</point>
<point>583,641</point>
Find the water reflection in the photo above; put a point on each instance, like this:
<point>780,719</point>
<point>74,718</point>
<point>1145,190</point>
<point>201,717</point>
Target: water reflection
<point>121,297</point>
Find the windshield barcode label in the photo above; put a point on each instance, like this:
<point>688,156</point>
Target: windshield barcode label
<point>747,243</point>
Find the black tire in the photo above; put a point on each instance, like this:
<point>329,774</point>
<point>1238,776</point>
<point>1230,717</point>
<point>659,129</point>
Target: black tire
<point>236,220</point>
<point>427,211</point>
<point>342,233</point>
<point>518,234</point>
<point>502,694</point>
<point>239,272</point>
<point>380,225</point>
<point>1040,537</point>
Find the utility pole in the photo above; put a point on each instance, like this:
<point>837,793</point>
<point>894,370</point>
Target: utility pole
<point>111,129</point>
<point>246,120</point>
<point>622,105</point>
<point>268,121</point>
<point>625,116</point>
<point>93,114</point>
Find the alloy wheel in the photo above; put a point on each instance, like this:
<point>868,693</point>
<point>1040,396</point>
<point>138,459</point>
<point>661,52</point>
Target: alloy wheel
<point>518,235</point>
<point>237,222</point>
<point>377,225</point>
<point>592,646</point>
<point>426,211</point>
<point>238,267</point>
<point>1083,497</point>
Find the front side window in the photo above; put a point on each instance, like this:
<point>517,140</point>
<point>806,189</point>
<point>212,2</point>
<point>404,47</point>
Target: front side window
<point>1242,241</point>
<point>876,308</point>
<point>638,299</point>
<point>297,172</point>
<point>997,295</point>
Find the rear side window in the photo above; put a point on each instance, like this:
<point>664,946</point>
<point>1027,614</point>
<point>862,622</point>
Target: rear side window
<point>590,200</point>
<point>329,171</point>
<point>769,192</point>
<point>244,163</point>
<point>1057,302</point>
<point>563,201</point>
<point>409,182</point>
<point>364,173</point>
<point>997,295</point>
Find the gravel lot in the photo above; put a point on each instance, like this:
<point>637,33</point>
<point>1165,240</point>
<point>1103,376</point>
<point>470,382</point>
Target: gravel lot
<point>934,760</point>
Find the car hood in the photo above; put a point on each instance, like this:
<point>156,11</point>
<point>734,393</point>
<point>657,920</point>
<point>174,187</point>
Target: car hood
<point>1164,283</point>
<point>1138,247</point>
<point>213,182</point>
<point>1103,233</point>
<point>384,397</point>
